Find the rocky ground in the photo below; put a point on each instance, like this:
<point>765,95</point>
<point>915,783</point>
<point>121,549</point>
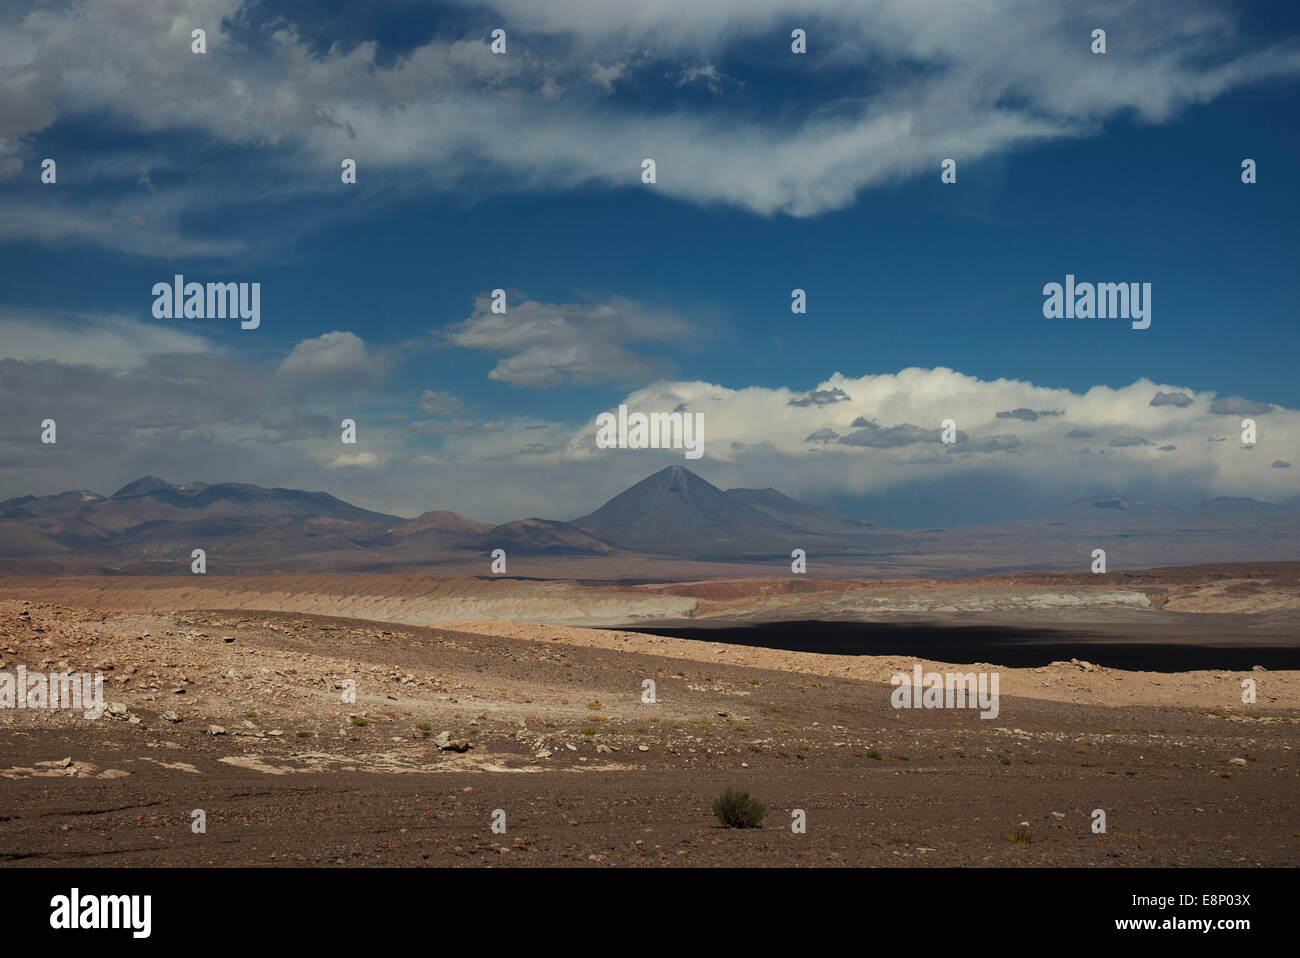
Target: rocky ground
<point>241,714</point>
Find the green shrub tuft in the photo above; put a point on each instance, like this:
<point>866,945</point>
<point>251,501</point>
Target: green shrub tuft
<point>736,808</point>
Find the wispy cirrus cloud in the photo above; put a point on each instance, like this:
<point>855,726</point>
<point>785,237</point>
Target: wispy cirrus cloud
<point>113,341</point>
<point>446,115</point>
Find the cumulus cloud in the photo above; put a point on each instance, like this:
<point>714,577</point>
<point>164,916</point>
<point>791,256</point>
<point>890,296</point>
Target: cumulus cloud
<point>336,355</point>
<point>894,420</point>
<point>545,345</point>
<point>200,416</point>
<point>1171,399</point>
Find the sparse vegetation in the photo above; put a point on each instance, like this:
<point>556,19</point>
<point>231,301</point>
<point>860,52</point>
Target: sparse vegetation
<point>1021,833</point>
<point>736,808</point>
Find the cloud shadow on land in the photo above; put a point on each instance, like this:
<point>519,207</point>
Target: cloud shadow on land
<point>1008,646</point>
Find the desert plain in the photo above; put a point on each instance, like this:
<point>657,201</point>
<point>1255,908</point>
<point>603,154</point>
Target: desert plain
<point>482,700</point>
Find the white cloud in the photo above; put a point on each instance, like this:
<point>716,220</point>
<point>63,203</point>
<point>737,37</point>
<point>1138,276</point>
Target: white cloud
<point>706,74</point>
<point>200,416</point>
<point>545,345</point>
<point>754,435</point>
<point>366,460</point>
<point>440,402</point>
<point>112,341</point>
<point>335,354</point>
<point>605,75</point>
<point>957,79</point>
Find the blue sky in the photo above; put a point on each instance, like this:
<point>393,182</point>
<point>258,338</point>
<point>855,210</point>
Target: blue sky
<point>775,171</point>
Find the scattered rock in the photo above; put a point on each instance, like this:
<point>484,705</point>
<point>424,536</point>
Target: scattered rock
<point>216,730</point>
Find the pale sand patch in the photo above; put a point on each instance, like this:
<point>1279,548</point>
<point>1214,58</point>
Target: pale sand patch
<point>174,766</point>
<point>391,763</point>
<point>58,769</point>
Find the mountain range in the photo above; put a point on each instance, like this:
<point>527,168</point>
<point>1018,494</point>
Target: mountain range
<point>152,525</point>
